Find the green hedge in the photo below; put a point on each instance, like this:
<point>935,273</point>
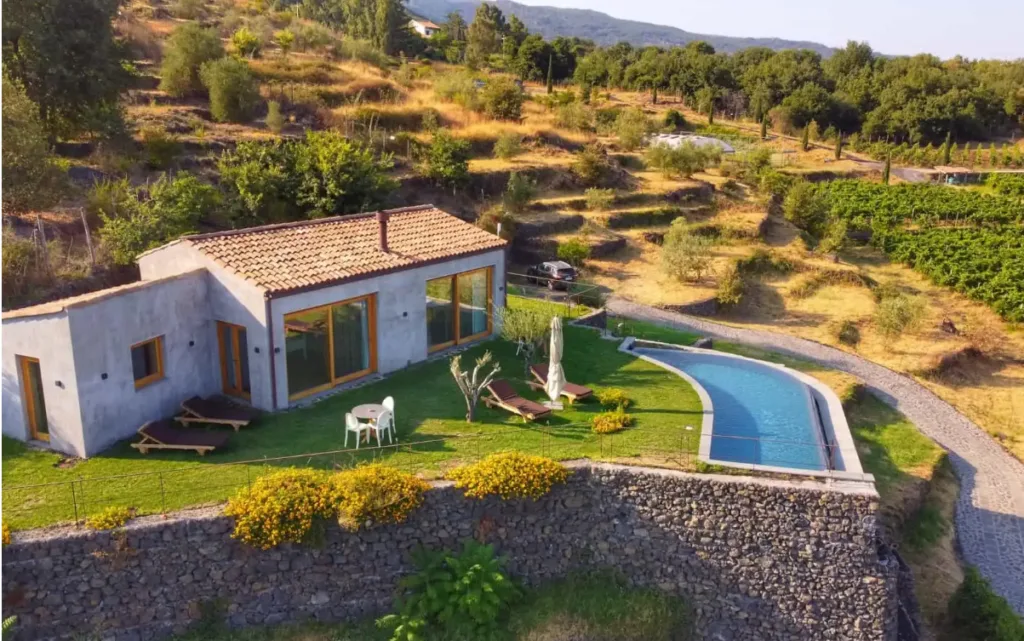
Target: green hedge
<point>976,613</point>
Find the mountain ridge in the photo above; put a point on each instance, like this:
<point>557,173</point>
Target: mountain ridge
<point>604,29</point>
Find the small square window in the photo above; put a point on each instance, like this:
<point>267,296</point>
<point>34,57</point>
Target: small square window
<point>148,361</point>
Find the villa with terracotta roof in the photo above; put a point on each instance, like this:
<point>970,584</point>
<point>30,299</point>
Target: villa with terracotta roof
<point>268,315</point>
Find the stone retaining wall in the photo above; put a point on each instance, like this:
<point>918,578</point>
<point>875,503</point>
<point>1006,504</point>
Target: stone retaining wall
<point>756,559</point>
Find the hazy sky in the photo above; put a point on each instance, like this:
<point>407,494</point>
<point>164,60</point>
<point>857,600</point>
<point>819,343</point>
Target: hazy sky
<point>973,28</point>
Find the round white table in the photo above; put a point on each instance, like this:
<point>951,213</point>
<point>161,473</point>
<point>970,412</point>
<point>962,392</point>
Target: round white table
<point>368,412</point>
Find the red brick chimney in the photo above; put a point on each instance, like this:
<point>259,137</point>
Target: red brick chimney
<point>382,223</point>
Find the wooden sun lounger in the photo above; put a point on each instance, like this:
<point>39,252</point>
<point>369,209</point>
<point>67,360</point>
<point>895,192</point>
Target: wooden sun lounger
<point>215,410</point>
<point>571,391</point>
<point>503,395</point>
<point>163,435</point>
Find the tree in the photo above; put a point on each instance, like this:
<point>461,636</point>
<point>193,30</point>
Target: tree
<point>526,328</point>
<point>187,49</point>
<point>473,385</point>
<point>805,140</point>
<point>550,83</point>
<point>260,182</point>
<point>764,128</point>
<point>234,91</point>
<point>887,168</point>
<point>630,127</point>
<point>591,165</point>
<point>32,176</point>
<point>285,39</point>
<point>484,36</point>
<point>337,176</point>
<point>503,99</point>
<point>66,58</point>
<point>685,255</point>
<point>448,159</point>
<point>573,251</point>
<point>275,120</point>
<point>839,145</point>
<point>682,160</point>
<point>805,209</point>
<point>835,239</point>
<point>246,43</point>
<point>705,98</point>
<point>518,193</point>
<point>947,148</point>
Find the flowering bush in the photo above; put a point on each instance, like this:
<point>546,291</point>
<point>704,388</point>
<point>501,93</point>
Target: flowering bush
<point>376,494</point>
<point>614,398</point>
<point>6,533</point>
<point>610,422</point>
<point>510,475</point>
<point>109,518</point>
<point>282,507</point>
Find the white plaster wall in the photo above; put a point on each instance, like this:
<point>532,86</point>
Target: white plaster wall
<point>401,311</point>
<point>47,338</point>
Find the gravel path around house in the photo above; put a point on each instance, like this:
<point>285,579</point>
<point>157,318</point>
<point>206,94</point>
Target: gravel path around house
<point>990,512</point>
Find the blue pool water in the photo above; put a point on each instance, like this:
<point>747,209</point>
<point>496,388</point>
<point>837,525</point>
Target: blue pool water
<point>761,415</point>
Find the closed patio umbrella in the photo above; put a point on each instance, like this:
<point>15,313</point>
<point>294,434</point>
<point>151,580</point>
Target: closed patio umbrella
<point>556,377</point>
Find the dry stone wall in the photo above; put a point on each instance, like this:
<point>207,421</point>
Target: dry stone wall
<point>755,559</point>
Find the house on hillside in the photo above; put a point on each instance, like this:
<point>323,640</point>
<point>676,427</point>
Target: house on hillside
<point>268,315</point>
<point>424,27</point>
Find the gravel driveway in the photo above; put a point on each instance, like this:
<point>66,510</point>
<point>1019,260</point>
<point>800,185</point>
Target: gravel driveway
<point>990,512</point>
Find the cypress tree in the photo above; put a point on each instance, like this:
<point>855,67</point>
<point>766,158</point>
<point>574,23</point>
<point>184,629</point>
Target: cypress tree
<point>947,148</point>
<point>654,94</point>
<point>805,142</point>
<point>887,168</point>
<point>550,74</point>
<point>764,128</point>
<point>711,111</point>
<point>839,145</point>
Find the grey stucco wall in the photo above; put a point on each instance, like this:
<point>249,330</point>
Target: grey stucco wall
<point>401,311</point>
<point>102,334</point>
<point>47,338</point>
<point>755,559</point>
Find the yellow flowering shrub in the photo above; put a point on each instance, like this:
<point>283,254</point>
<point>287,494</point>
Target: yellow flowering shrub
<point>610,422</point>
<point>510,475</point>
<point>376,494</point>
<point>6,533</point>
<point>109,518</point>
<point>613,398</point>
<point>282,507</point>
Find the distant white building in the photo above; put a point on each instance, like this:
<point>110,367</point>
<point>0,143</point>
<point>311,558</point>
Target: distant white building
<point>674,140</point>
<point>424,27</point>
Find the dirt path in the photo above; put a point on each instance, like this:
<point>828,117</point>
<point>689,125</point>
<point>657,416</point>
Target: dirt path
<point>990,512</point>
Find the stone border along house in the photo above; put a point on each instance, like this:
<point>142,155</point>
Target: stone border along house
<point>267,315</point>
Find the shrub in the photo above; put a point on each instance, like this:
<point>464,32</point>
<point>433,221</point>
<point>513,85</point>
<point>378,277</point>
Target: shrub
<point>847,333</point>
<point>630,127</point>
<point>312,35</point>
<point>285,39</point>
<point>502,100</point>
<point>574,116</point>
<point>573,251</point>
<point>685,255</point>
<point>283,507</point>
<point>376,494</point>
<point>448,159</point>
<point>246,43</point>
<point>674,120</point>
<point>775,184</point>
<point>109,518</point>
<point>898,314</point>
<point>33,178</point>
<point>614,398</point>
<point>591,165</point>
<point>275,119</point>
<point>764,261</point>
<point>361,50</point>
<point>161,148</point>
<point>187,49</point>
<point>682,160</point>
<point>730,286</point>
<point>234,92</point>
<point>518,193</point>
<point>188,9</point>
<point>336,175</point>
<point>604,119</point>
<point>459,88</point>
<point>508,145</point>
<point>610,422</point>
<point>490,219</point>
<point>510,475</point>
<point>887,289</point>
<point>805,209</point>
<point>599,199</point>
<point>976,613</point>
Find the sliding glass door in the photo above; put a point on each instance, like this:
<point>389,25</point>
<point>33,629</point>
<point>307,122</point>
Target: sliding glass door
<point>458,308</point>
<point>329,345</point>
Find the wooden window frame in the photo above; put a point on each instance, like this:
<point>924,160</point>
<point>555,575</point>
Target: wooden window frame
<point>158,375</point>
<point>458,316</point>
<point>237,393</point>
<point>30,398</point>
<point>371,311</point>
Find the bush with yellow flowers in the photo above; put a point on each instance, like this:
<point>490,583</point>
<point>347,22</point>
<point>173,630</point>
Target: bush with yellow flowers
<point>283,507</point>
<point>376,494</point>
<point>610,422</point>
<point>510,475</point>
<point>6,533</point>
<point>613,398</point>
<point>109,518</point>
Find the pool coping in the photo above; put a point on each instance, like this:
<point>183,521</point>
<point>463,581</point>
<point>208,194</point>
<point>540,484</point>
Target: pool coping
<point>838,428</point>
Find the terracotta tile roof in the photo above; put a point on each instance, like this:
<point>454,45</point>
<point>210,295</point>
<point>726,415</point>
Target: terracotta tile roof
<point>292,256</point>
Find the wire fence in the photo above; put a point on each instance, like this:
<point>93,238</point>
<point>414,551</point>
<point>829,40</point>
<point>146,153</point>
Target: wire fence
<point>160,492</point>
<point>575,299</point>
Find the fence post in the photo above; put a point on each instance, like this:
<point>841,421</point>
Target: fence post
<point>163,502</point>
<point>74,501</point>
<point>248,481</point>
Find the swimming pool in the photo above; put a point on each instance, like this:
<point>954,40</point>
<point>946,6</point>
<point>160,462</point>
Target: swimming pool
<point>761,414</point>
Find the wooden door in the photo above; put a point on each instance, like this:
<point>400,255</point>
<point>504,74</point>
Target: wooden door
<point>234,359</point>
<point>35,404</point>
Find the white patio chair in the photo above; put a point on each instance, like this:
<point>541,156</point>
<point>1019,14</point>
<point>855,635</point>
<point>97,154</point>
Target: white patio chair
<point>385,424</point>
<point>352,424</point>
<point>389,405</point>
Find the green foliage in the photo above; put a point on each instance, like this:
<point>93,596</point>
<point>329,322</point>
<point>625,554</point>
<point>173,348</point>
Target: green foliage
<point>19,266</point>
<point>246,43</point>
<point>33,178</point>
<point>161,147</point>
<point>109,518</point>
<point>887,169</point>
<point>275,119</point>
<point>599,199</point>
<point>685,255</point>
<point>188,9</point>
<point>573,251</point>
<point>591,165</point>
<point>465,594</point>
<point>674,120</point>
<point>508,145</point>
<point>234,91</point>
<point>847,333</point>
<point>835,238</point>
<point>805,208</point>
<point>490,219</point>
<point>285,39</point>
<point>1011,185</point>
<point>805,140</point>
<point>682,160</point>
<point>730,286</point>
<point>614,398</point>
<point>189,46</point>
<point>519,192</point>
<point>898,314</point>
<point>976,613</point>
<point>458,87</point>
<point>630,127</point>
<point>764,261</point>
<point>448,160</point>
<point>610,422</point>
<point>574,116</point>
<point>502,100</point>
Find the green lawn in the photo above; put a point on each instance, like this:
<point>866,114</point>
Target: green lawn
<point>431,429</point>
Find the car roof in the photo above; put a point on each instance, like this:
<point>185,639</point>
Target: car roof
<point>558,264</point>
